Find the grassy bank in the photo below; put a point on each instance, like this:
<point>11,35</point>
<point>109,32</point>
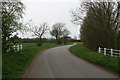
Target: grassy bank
<point>13,65</point>
<point>108,62</point>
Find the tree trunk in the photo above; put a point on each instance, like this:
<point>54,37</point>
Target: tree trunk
<point>39,43</point>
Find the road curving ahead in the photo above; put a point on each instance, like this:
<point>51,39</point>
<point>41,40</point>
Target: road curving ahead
<point>58,62</point>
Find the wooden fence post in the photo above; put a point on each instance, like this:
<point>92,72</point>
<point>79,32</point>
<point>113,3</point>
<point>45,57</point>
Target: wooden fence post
<point>17,47</point>
<point>99,50</point>
<point>111,52</point>
<point>14,47</point>
<point>20,47</point>
<point>104,51</point>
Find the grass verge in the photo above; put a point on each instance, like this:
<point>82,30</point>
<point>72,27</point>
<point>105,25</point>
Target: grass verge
<point>111,63</point>
<point>13,65</point>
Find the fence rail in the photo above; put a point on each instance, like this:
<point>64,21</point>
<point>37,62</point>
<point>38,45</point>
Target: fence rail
<point>110,52</point>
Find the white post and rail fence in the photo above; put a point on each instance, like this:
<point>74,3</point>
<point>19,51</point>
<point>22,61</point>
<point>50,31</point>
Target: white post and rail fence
<point>111,52</point>
<point>16,48</point>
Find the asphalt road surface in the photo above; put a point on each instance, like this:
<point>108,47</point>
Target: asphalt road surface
<point>58,62</point>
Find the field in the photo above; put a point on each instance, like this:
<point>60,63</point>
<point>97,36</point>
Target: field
<point>14,64</point>
<point>111,63</point>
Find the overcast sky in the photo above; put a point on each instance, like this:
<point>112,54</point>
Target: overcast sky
<point>51,11</point>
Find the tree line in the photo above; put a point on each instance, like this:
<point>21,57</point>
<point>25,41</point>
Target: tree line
<point>43,40</point>
<point>100,24</point>
<point>58,31</point>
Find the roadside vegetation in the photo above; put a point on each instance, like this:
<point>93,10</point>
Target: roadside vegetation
<point>14,64</point>
<point>99,24</point>
<point>111,63</point>
<point>99,27</point>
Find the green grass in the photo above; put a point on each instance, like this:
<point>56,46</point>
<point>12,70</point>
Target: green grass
<point>0,65</point>
<point>14,64</point>
<point>111,63</point>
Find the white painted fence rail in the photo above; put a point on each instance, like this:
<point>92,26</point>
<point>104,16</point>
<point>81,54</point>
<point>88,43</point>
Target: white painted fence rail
<point>17,48</point>
<point>110,52</point>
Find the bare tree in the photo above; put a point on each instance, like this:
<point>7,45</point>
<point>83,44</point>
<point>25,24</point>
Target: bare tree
<point>58,30</point>
<point>77,15</point>
<point>66,32</point>
<point>39,32</point>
